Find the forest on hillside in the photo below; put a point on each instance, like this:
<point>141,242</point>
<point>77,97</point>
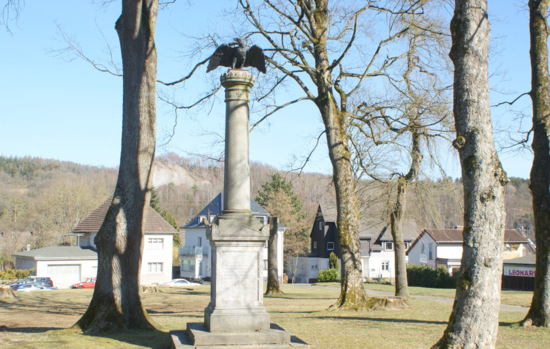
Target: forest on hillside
<point>50,197</point>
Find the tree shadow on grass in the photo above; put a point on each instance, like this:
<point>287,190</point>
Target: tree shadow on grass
<point>296,298</point>
<point>28,329</point>
<point>154,339</point>
<point>408,321</point>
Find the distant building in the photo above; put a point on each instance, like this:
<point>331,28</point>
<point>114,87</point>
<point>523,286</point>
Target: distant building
<point>377,249</point>
<point>443,247</point>
<point>67,265</point>
<point>519,273</point>
<point>196,253</point>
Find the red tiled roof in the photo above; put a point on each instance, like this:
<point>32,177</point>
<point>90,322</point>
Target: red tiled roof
<point>455,236</point>
<point>154,224</point>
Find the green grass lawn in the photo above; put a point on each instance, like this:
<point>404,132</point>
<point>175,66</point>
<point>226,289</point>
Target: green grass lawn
<point>35,320</point>
<point>521,298</point>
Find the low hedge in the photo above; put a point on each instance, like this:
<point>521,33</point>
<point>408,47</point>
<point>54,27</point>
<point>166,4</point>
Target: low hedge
<point>11,274</point>
<point>426,276</point>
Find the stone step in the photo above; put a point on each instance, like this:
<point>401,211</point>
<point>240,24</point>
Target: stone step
<point>198,337</point>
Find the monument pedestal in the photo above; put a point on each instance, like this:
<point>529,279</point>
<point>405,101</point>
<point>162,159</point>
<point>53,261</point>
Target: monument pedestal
<point>236,317</point>
<point>236,295</point>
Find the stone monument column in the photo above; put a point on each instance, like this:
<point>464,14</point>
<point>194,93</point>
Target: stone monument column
<point>235,316</point>
<point>237,237</point>
<point>237,84</point>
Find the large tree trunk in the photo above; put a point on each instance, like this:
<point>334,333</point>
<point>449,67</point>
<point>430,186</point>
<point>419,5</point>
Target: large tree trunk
<point>539,313</point>
<point>116,302</point>
<point>474,320</point>
<point>401,283</point>
<point>273,285</point>
<point>396,221</point>
<point>352,292</point>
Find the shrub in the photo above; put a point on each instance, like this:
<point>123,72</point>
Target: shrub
<point>11,274</point>
<point>426,276</point>
<point>332,261</point>
<point>328,275</point>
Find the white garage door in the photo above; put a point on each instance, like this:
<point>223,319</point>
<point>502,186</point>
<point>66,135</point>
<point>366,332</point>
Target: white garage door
<point>64,275</point>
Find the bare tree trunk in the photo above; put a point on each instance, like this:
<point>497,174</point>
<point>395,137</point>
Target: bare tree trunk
<point>352,292</point>
<point>396,220</point>
<point>539,313</point>
<point>116,303</point>
<point>273,286</point>
<point>474,320</point>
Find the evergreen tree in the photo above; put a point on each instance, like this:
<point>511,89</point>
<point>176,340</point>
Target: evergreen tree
<point>278,198</point>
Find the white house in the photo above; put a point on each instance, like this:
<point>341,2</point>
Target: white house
<point>377,250</point>
<point>67,265</point>
<point>443,247</point>
<point>196,254</point>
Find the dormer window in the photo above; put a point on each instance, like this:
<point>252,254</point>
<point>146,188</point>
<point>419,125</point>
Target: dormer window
<point>330,246</point>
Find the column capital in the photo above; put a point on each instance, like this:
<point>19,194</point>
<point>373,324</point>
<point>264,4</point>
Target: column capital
<point>237,77</point>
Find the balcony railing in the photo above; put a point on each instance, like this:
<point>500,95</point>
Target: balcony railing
<point>190,251</point>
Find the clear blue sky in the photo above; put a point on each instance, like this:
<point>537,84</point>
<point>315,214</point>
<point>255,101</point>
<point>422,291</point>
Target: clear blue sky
<point>52,107</point>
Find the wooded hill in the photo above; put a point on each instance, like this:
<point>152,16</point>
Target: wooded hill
<point>50,197</point>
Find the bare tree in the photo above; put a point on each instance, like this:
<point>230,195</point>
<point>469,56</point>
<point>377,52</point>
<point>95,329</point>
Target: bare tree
<point>539,313</point>
<point>474,319</point>
<point>315,43</point>
<point>409,123</point>
<point>116,302</point>
<point>10,12</point>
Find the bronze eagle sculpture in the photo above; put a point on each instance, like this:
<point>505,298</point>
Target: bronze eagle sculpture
<point>237,55</point>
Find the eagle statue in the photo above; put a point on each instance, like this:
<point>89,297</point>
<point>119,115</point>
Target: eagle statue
<point>237,55</point>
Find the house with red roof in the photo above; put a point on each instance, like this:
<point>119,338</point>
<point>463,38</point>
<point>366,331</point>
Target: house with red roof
<point>443,247</point>
<point>67,265</point>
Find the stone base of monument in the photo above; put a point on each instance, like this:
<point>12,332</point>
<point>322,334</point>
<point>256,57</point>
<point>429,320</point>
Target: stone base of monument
<point>197,336</point>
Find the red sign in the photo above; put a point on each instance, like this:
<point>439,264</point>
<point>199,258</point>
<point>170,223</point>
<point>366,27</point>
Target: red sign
<point>518,271</point>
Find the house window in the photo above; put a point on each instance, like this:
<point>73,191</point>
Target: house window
<point>321,226</point>
<point>314,245</point>
<point>154,267</point>
<point>200,241</point>
<point>330,246</point>
<point>389,246</point>
<point>188,265</point>
<point>385,265</point>
<point>430,252</point>
<point>155,243</point>
<point>422,248</point>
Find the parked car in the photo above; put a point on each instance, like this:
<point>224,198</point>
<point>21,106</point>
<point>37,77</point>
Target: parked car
<point>180,283</point>
<point>29,286</point>
<point>88,283</point>
<point>42,280</point>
